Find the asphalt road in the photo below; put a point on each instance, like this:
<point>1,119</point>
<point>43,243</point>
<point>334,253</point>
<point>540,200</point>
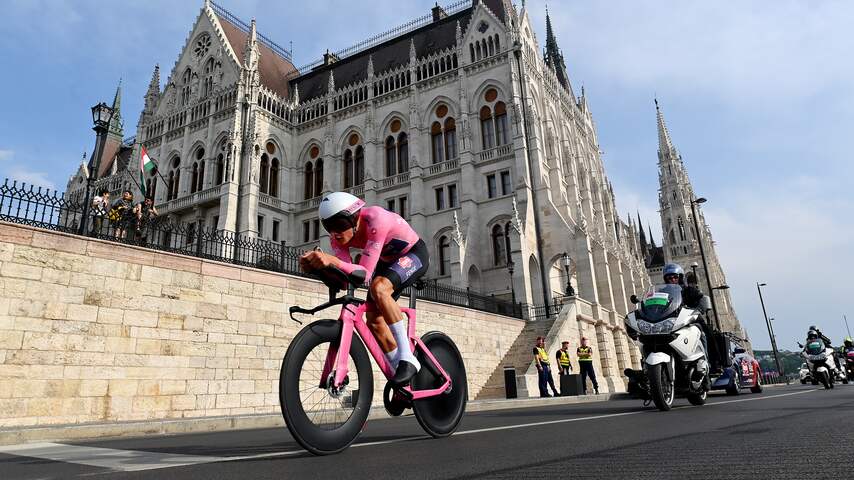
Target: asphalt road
<point>787,432</point>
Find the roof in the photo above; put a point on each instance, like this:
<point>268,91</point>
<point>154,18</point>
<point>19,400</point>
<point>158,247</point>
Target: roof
<point>656,257</point>
<point>433,37</point>
<point>273,68</point>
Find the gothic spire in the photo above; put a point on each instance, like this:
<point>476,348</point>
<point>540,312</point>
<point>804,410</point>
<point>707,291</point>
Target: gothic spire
<point>154,84</point>
<point>642,235</point>
<point>251,52</point>
<point>116,121</point>
<point>553,55</point>
<point>651,239</point>
<point>665,144</point>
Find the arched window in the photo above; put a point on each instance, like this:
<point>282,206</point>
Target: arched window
<point>450,139</point>
<point>348,168</point>
<point>207,88</point>
<point>681,228</point>
<point>390,157</point>
<point>185,86</point>
<point>194,179</point>
<point>672,236</point>
<point>174,179</point>
<point>220,169</point>
<point>265,173</point>
<point>402,153</point>
<point>499,255</point>
<point>501,137</point>
<point>487,128</point>
<point>359,165</point>
<point>318,177</point>
<point>274,178</point>
<point>471,51</point>
<point>308,181</point>
<point>444,257</point>
<point>437,143</point>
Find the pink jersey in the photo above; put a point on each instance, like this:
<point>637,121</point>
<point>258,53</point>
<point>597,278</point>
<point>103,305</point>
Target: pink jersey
<point>382,235</point>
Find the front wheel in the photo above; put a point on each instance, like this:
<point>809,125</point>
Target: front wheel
<point>825,379</point>
<point>698,398</point>
<point>733,387</point>
<point>324,420</point>
<point>440,415</point>
<point>661,386</point>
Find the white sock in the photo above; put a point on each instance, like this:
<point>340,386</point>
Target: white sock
<point>401,336</point>
<point>393,358</point>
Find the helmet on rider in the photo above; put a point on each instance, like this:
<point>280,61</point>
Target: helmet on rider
<point>673,273</point>
<point>339,211</point>
<point>848,342</point>
<point>812,334</point>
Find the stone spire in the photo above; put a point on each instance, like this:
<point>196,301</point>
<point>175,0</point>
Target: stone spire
<point>665,144</point>
<point>412,55</point>
<point>644,245</point>
<point>651,239</point>
<point>154,84</point>
<point>370,66</point>
<point>330,86</point>
<point>251,52</point>
<point>553,57</point>
<point>116,122</point>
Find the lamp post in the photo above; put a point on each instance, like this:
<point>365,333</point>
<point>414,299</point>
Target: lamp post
<point>694,269</point>
<point>694,204</point>
<point>510,266</point>
<point>101,116</point>
<point>570,292</point>
<point>770,330</point>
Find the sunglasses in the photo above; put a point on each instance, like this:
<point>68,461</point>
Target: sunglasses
<point>337,225</point>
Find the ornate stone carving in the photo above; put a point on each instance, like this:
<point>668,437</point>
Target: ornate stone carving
<point>516,222</point>
<point>457,233</point>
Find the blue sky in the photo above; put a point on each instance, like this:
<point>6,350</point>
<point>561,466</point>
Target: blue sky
<point>758,98</point>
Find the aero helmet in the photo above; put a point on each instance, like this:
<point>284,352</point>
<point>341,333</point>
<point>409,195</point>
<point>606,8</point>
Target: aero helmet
<point>339,210</point>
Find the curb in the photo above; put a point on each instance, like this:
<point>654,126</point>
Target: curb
<point>52,433</point>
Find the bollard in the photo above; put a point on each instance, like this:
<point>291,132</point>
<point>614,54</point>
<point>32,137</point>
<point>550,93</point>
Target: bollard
<point>510,381</point>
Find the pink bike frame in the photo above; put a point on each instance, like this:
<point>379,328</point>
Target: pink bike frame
<point>340,358</point>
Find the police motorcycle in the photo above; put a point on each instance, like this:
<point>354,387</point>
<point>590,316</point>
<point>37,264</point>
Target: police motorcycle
<point>820,360</point>
<point>840,373</point>
<point>675,358</point>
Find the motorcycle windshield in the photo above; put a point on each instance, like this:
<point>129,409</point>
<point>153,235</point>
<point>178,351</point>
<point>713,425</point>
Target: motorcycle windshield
<point>814,347</point>
<point>661,302</point>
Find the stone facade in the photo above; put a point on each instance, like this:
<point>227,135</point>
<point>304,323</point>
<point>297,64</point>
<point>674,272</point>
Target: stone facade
<point>95,332</point>
<point>458,124</point>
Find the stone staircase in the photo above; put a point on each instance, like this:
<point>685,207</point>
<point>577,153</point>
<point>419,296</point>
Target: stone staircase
<point>519,356</point>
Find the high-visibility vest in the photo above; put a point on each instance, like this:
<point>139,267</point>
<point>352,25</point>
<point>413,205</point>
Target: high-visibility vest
<point>564,358</point>
<point>585,354</point>
<point>544,357</point>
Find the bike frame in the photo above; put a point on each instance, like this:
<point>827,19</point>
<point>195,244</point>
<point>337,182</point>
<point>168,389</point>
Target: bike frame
<point>353,318</point>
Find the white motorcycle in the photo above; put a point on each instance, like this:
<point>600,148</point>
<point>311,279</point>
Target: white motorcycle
<point>821,362</point>
<point>675,358</point>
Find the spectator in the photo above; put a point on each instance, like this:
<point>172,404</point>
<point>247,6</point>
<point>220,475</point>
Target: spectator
<point>541,359</point>
<point>100,204</point>
<point>145,213</point>
<point>585,364</point>
<point>122,215</point>
<point>562,357</point>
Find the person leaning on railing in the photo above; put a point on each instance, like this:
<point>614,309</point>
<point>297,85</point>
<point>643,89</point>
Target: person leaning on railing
<point>100,204</point>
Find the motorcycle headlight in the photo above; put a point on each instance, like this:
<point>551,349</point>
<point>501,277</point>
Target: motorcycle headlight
<point>661,328</point>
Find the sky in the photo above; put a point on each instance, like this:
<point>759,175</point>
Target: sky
<point>757,96</point>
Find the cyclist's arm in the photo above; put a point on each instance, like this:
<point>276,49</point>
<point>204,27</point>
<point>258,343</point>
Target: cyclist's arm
<point>345,262</point>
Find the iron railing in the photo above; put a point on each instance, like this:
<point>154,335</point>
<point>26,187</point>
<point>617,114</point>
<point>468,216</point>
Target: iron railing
<point>49,209</point>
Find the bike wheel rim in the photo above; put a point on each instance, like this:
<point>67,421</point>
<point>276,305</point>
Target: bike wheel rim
<point>666,384</point>
<point>323,410</point>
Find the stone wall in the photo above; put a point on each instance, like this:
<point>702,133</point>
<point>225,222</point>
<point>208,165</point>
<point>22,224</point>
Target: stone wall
<point>92,331</point>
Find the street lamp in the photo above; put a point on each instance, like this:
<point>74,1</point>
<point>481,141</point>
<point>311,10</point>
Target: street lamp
<point>102,114</point>
<point>694,269</point>
<point>770,329</point>
<point>694,204</point>
<point>566,263</point>
<point>510,266</point>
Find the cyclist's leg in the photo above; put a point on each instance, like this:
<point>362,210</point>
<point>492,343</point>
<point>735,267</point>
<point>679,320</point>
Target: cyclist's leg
<point>386,288</point>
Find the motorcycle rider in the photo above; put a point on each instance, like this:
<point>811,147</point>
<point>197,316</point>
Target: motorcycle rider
<point>820,335</point>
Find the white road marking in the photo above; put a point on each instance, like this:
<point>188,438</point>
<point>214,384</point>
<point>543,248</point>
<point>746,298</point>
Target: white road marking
<point>137,460</point>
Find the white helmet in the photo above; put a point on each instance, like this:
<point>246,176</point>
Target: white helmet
<point>339,210</point>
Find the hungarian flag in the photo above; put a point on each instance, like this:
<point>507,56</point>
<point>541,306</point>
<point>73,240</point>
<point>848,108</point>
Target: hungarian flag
<point>146,165</point>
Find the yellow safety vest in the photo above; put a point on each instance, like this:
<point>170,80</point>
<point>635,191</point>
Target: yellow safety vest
<point>564,358</point>
<point>585,354</point>
<point>544,357</point>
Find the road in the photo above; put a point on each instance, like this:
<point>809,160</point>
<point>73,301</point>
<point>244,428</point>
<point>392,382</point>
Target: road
<point>787,432</point>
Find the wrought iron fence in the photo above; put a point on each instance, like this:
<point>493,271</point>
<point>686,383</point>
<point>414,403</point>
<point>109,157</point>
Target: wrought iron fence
<point>49,209</point>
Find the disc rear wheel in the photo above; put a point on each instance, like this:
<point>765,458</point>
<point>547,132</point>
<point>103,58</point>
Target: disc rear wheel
<point>440,415</point>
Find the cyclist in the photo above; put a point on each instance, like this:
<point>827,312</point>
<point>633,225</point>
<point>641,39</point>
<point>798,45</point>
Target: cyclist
<point>393,257</point>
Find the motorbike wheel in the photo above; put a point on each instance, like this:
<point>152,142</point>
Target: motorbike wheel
<point>320,422</point>
<point>733,387</point>
<point>698,398</point>
<point>661,386</point>
<point>757,387</point>
<point>825,379</point>
<point>440,415</point>
<point>803,381</point>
